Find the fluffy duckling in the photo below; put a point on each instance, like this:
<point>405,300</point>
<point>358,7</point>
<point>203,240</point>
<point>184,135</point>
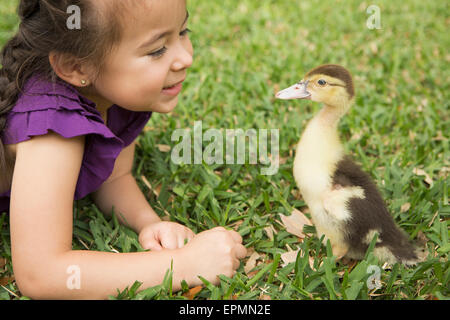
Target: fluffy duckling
<point>344,202</point>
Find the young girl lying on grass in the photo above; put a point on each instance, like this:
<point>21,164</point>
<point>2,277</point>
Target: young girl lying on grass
<point>72,103</point>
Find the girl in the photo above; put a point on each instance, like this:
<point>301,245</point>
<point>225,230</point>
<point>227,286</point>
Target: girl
<point>72,102</point>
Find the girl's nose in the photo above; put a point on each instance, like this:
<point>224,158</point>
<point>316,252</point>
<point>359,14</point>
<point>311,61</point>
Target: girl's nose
<point>184,59</point>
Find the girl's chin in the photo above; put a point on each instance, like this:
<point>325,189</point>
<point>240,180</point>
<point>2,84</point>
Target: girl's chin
<point>160,106</point>
<point>165,107</point>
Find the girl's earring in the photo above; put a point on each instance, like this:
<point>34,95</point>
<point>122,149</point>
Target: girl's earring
<point>83,82</point>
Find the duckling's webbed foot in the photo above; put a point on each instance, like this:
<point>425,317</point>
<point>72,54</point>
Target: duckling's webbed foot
<point>339,246</point>
<point>339,250</point>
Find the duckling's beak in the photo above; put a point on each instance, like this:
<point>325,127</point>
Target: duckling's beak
<point>297,91</point>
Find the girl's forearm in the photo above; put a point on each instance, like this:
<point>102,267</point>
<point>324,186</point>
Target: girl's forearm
<point>97,275</point>
<point>130,205</point>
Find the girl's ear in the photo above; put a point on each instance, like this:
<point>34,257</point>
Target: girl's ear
<point>69,69</point>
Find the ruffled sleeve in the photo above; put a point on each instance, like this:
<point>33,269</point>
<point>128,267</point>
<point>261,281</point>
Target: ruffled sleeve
<point>126,124</point>
<point>64,112</point>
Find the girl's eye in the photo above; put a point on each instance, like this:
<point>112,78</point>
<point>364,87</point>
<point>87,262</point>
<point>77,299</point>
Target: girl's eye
<point>158,53</point>
<point>185,32</point>
<point>322,82</point>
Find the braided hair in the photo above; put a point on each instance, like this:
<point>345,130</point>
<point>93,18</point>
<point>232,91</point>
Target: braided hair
<point>43,29</point>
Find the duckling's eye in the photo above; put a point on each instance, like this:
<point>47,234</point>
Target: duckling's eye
<point>322,82</point>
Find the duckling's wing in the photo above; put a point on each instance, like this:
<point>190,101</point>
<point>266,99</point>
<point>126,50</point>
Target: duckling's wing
<point>370,208</point>
<point>369,213</point>
<point>349,174</point>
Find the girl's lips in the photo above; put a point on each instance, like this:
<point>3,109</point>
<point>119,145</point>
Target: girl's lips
<point>173,91</point>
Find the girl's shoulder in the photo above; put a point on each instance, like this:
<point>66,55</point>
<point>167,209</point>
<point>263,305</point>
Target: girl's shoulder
<point>43,106</point>
<point>58,106</point>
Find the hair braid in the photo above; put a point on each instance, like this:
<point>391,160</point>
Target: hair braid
<point>13,57</point>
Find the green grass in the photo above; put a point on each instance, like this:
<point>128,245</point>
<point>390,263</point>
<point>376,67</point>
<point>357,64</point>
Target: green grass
<point>245,51</point>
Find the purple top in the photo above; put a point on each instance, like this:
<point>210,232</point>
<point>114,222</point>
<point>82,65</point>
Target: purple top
<point>60,107</point>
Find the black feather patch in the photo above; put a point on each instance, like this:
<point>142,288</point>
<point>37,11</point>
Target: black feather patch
<point>370,213</point>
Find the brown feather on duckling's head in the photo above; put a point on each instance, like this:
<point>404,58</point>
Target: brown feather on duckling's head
<point>330,83</point>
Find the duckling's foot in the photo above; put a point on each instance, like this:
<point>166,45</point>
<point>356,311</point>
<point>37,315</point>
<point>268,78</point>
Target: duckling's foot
<point>348,261</point>
<point>339,251</point>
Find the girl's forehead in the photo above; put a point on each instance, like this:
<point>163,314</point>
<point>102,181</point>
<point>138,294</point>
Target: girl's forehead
<point>139,21</point>
<point>150,14</point>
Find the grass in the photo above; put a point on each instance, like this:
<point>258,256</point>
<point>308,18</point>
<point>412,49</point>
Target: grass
<point>247,50</point>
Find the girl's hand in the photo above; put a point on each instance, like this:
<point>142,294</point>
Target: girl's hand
<point>164,235</point>
<point>211,253</point>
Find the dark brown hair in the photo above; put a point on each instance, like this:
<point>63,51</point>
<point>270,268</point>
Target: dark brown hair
<point>43,29</point>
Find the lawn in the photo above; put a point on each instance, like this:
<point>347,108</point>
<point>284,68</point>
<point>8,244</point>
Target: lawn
<point>245,51</point>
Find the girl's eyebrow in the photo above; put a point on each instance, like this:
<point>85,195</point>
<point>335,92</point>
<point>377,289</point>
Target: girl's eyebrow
<point>162,35</point>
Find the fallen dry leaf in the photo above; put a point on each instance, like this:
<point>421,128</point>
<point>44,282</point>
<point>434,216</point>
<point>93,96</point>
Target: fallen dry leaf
<point>163,147</point>
<point>439,137</point>
<point>253,273</point>
<point>443,172</point>
<point>144,179</point>
<point>291,255</point>
<point>2,262</point>
<point>432,219</point>
<point>235,225</point>
<point>295,222</point>
<point>283,160</point>
<point>251,262</point>
<point>373,47</point>
<point>405,207</point>
<point>156,192</point>
<point>296,193</point>
<point>148,128</point>
<point>6,280</point>
<point>190,295</point>
<point>270,231</point>
<point>356,136</point>
<point>421,172</point>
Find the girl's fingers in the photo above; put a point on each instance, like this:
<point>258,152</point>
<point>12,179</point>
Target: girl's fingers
<point>149,241</point>
<point>240,251</point>
<point>218,229</point>
<point>181,240</point>
<point>189,237</point>
<point>236,264</point>
<point>191,234</point>
<point>236,236</point>
<point>151,244</point>
<point>169,241</point>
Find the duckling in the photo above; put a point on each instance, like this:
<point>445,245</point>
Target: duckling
<point>344,202</point>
